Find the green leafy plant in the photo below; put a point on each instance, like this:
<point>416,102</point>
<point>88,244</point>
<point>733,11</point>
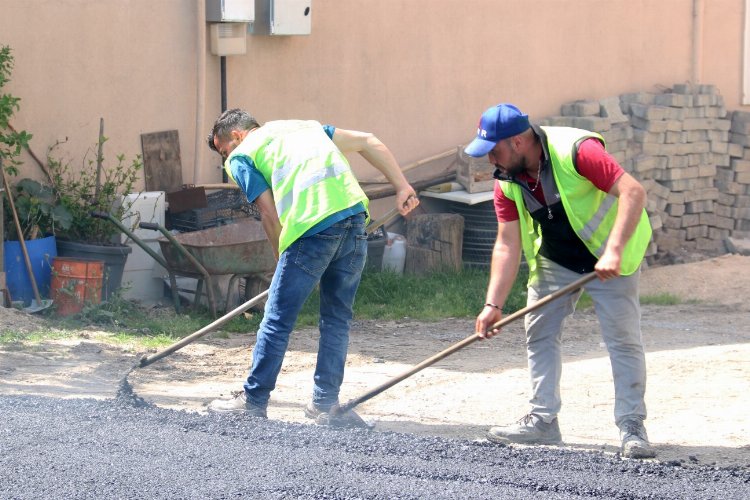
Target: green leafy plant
<point>11,141</point>
<point>39,212</point>
<point>94,187</point>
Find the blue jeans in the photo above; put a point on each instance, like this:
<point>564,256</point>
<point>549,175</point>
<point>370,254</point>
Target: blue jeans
<point>333,258</point>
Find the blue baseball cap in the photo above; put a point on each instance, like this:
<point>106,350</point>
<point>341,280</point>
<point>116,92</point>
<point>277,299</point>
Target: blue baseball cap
<point>497,123</point>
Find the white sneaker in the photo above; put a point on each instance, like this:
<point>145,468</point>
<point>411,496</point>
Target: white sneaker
<point>635,440</point>
<point>530,429</point>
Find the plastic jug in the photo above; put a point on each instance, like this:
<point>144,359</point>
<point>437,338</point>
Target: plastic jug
<point>394,253</point>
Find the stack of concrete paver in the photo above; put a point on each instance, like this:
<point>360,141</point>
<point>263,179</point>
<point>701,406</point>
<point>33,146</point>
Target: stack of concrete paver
<point>678,144</point>
<point>605,117</point>
<point>735,180</point>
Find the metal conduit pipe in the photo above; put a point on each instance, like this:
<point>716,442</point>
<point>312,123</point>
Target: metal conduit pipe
<point>200,88</point>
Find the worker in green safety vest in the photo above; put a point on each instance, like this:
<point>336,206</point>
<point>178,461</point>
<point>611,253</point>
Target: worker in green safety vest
<point>564,203</point>
<point>314,213</point>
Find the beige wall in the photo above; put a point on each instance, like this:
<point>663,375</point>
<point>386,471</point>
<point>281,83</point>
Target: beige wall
<point>129,62</point>
<point>418,73</point>
<point>721,49</point>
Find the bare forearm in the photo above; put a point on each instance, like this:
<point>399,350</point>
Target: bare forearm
<point>630,205</point>
<point>504,269</point>
<point>273,231</point>
<point>269,219</point>
<point>379,156</point>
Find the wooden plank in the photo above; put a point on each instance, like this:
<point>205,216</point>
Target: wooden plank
<point>434,172</point>
<point>162,165</point>
<point>379,192</point>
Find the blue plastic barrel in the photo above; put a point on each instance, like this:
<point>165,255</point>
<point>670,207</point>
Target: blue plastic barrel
<point>41,252</point>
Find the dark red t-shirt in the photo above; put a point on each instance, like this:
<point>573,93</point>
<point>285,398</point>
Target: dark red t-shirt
<point>592,162</point>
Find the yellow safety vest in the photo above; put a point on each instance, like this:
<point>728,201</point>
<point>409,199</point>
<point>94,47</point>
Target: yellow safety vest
<point>590,211</point>
<point>309,177</point>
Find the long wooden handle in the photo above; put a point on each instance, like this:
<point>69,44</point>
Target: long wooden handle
<point>465,342</point>
<point>20,237</point>
<point>147,360</point>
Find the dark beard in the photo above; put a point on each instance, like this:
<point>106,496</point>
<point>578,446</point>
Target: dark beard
<point>519,168</point>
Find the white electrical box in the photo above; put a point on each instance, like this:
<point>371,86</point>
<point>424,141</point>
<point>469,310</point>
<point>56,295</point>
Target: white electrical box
<point>228,39</point>
<point>230,11</point>
<point>282,17</point>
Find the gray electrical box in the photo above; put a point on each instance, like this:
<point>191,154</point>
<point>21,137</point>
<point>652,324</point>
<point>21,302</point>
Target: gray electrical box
<point>230,11</point>
<point>281,17</point>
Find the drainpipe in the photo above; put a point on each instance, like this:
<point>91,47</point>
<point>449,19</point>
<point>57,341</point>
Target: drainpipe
<point>696,63</point>
<point>200,89</point>
<point>223,76</point>
<point>746,57</point>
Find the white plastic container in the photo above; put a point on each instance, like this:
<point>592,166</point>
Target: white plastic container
<point>394,253</point>
<point>142,274</point>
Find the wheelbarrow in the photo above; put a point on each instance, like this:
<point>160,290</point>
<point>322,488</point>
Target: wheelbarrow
<point>240,249</point>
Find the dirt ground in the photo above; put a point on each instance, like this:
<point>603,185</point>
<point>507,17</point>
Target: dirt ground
<point>698,356</point>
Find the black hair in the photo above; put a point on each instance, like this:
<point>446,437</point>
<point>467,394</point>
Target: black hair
<point>231,119</point>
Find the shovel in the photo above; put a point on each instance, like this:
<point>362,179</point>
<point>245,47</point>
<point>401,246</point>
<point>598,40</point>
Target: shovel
<point>147,360</point>
<point>37,304</point>
<point>337,416</point>
<point>125,391</point>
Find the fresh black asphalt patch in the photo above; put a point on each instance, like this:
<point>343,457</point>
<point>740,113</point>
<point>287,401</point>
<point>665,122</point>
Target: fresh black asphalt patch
<point>84,448</point>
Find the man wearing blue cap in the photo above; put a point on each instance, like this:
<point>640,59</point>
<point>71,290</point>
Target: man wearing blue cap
<point>569,207</point>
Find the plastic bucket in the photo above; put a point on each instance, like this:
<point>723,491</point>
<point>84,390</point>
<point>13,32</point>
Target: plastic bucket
<point>375,246</point>
<point>394,253</point>
<point>113,256</point>
<point>41,252</point>
<point>76,282</point>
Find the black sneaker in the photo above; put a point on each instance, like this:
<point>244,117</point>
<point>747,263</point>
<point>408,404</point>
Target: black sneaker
<point>530,429</point>
<point>635,440</point>
<point>347,419</point>
<point>238,404</point>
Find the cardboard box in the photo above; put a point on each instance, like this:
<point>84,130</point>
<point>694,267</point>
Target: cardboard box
<point>474,174</point>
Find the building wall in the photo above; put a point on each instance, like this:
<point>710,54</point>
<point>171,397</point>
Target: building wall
<point>418,73</point>
<point>129,62</point>
<point>721,54</point>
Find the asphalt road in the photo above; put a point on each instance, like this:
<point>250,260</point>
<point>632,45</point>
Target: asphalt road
<point>83,448</point>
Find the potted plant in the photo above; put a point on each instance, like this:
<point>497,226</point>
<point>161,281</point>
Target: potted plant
<point>34,205</point>
<point>39,215</point>
<point>94,187</point>
<point>39,211</point>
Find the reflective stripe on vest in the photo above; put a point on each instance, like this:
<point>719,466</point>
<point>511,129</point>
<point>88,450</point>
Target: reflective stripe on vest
<point>591,212</point>
<point>309,177</point>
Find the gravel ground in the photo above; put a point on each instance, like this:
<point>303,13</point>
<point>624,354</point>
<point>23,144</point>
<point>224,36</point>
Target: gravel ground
<point>84,448</point>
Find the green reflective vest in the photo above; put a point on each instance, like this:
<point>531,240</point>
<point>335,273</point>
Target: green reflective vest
<point>309,177</point>
<point>591,212</point>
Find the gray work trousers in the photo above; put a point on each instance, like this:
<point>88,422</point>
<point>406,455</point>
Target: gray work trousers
<point>617,307</point>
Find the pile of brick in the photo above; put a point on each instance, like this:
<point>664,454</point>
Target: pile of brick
<point>682,139</point>
<point>604,116</point>
<point>734,181</point>
<point>678,144</point>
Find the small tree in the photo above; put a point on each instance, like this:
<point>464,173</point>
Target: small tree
<point>11,141</point>
<point>93,187</point>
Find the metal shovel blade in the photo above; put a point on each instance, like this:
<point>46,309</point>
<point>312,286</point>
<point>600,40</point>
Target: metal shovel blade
<point>35,306</point>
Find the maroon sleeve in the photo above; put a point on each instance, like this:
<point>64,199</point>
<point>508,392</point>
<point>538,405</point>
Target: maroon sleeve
<point>594,163</point>
<point>505,208</point>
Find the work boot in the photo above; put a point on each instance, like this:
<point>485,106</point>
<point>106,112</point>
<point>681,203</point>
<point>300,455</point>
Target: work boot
<point>531,429</point>
<point>324,416</point>
<point>635,440</point>
<point>238,404</point>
